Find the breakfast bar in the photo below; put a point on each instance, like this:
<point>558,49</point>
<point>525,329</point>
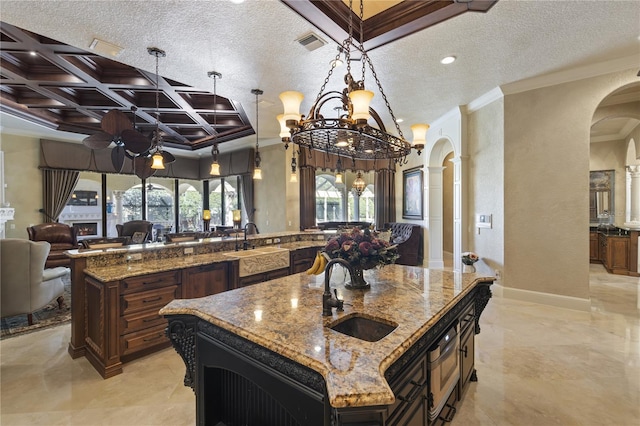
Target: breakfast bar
<point>265,354</point>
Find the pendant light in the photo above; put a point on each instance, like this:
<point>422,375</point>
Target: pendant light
<point>158,159</point>
<point>215,166</point>
<point>257,172</point>
<point>358,185</point>
<point>339,171</point>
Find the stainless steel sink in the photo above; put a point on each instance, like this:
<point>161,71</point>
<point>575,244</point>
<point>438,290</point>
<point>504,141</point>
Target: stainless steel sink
<point>364,328</point>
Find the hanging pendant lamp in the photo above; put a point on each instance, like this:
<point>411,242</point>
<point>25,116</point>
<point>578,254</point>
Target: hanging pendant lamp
<point>158,159</point>
<point>215,166</point>
<point>257,172</point>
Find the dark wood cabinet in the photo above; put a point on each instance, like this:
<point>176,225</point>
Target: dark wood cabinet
<point>614,253</point>
<point>124,322</point>
<point>302,259</point>
<point>467,349</point>
<point>410,389</point>
<point>262,277</point>
<point>205,280</point>
<point>594,247</point>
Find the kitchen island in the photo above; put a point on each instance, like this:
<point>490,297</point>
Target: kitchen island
<point>118,291</point>
<point>265,354</point>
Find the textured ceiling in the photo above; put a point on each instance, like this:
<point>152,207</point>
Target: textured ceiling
<point>254,45</point>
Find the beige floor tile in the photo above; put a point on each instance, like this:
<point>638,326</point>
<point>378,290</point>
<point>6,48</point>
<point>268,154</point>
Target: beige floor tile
<point>537,365</point>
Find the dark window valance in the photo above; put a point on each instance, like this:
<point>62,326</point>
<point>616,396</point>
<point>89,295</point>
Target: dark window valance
<point>74,156</point>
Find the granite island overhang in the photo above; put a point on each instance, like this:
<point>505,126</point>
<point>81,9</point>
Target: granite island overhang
<point>284,316</point>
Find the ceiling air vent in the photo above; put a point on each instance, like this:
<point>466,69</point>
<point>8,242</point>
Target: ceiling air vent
<point>311,41</point>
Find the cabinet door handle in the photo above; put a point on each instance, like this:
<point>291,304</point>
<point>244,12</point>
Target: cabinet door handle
<point>159,280</point>
<point>152,300</point>
<point>450,414</point>
<point>464,351</point>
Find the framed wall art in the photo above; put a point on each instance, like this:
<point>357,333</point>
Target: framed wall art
<point>412,183</point>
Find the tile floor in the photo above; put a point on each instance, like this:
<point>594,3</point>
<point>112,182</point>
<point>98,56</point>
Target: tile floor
<point>537,365</point>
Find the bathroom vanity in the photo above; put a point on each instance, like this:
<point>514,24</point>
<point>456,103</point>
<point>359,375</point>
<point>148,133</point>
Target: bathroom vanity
<point>266,355</point>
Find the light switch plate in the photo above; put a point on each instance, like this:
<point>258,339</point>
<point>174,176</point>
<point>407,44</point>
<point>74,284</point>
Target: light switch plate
<point>483,220</point>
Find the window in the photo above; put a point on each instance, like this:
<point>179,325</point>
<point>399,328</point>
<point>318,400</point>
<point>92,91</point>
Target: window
<point>336,202</point>
<point>190,202</point>
<point>330,199</point>
<point>224,197</point>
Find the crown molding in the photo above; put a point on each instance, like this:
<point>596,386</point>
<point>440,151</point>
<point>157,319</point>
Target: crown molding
<point>588,71</point>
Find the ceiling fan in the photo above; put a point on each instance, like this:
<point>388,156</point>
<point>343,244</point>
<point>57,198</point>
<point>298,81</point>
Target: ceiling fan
<point>117,128</point>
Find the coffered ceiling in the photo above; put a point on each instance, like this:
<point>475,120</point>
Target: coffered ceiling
<point>70,89</point>
<point>509,44</point>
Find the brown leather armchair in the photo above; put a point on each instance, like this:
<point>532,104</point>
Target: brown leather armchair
<point>408,238</point>
<point>62,237</point>
<point>127,229</point>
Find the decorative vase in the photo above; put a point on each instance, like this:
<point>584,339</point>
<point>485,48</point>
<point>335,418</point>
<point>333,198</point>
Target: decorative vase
<point>357,279</point>
<point>468,268</point>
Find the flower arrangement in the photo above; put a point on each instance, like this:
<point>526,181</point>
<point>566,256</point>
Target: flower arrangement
<point>361,248</point>
<point>469,258</point>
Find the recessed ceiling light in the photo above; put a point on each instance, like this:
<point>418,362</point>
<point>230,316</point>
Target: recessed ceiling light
<point>447,60</point>
<point>33,53</point>
<point>237,1</point>
<point>400,120</point>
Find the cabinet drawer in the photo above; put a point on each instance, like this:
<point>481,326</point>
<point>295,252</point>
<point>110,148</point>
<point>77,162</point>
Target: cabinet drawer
<point>140,321</point>
<point>408,389</point>
<point>148,300</point>
<point>134,342</point>
<point>149,282</point>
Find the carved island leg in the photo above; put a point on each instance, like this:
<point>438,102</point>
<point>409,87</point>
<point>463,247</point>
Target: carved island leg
<point>482,298</point>
<point>483,294</point>
<point>182,333</point>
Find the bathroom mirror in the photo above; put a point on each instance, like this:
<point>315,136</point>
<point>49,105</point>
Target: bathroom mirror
<point>601,200</point>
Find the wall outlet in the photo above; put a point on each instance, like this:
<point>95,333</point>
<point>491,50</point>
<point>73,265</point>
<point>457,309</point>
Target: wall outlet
<point>320,237</point>
<point>188,250</point>
<point>135,256</point>
<point>268,241</point>
<point>276,240</point>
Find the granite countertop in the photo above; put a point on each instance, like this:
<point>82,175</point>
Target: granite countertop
<point>158,246</point>
<point>138,267</point>
<point>285,316</point>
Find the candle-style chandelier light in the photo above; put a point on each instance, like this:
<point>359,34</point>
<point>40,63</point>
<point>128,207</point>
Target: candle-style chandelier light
<point>349,133</point>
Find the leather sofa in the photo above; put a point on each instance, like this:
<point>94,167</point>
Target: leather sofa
<point>408,237</point>
<point>62,237</point>
<point>341,224</point>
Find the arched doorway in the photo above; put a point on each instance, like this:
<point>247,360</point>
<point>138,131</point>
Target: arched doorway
<point>614,149</point>
<point>436,187</point>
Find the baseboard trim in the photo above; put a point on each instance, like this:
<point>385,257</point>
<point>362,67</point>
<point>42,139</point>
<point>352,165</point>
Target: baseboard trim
<point>436,264</point>
<point>557,300</point>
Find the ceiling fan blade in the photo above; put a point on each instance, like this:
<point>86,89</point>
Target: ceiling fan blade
<point>167,157</point>
<point>142,167</point>
<point>98,140</point>
<point>115,122</point>
<point>117,157</point>
<point>135,141</point>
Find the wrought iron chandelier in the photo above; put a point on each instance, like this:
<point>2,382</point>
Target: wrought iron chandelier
<point>349,133</point>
